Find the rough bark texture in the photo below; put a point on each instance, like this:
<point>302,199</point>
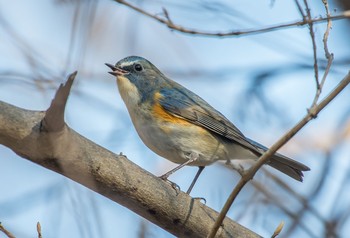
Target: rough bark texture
<point>64,151</point>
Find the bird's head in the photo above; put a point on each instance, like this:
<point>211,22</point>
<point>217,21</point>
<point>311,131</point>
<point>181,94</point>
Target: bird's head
<point>137,79</point>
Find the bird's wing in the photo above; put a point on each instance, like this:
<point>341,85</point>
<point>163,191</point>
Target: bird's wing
<point>185,104</point>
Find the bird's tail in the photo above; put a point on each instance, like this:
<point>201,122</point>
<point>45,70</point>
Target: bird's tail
<point>288,166</point>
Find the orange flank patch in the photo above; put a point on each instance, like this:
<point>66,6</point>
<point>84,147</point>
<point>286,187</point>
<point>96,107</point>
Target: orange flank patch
<point>160,113</point>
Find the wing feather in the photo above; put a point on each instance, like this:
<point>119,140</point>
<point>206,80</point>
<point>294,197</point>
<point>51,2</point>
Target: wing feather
<point>191,107</point>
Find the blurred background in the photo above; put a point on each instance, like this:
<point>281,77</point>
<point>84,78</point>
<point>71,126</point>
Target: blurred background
<point>264,83</point>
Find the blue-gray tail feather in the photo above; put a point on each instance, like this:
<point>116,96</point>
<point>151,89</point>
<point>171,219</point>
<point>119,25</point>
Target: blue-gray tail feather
<point>282,163</point>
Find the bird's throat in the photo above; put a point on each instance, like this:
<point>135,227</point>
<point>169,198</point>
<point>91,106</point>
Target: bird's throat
<point>128,91</point>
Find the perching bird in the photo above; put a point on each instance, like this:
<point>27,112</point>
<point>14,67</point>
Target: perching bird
<point>180,126</point>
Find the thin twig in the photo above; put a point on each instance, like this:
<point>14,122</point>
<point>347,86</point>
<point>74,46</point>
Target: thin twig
<point>319,89</point>
<point>6,232</point>
<point>300,9</point>
<point>277,202</point>
<point>313,40</point>
<point>171,25</point>
<point>329,27</point>
<point>38,228</point>
<point>312,113</point>
<point>166,14</point>
<point>278,230</point>
<point>329,56</point>
<point>280,203</point>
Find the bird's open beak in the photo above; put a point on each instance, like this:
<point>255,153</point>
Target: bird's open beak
<point>116,71</point>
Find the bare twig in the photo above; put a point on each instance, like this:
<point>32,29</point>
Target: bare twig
<point>6,232</point>
<point>281,204</point>
<point>312,113</point>
<point>38,228</point>
<point>329,56</point>
<point>329,26</point>
<point>171,25</point>
<point>313,40</point>
<point>278,230</point>
<point>319,89</point>
<point>300,9</point>
<point>166,14</point>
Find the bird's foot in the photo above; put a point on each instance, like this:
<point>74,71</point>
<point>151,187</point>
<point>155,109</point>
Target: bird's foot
<point>172,184</point>
<point>200,199</point>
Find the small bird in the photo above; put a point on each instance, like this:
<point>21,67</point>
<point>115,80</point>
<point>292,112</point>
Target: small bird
<point>180,126</point>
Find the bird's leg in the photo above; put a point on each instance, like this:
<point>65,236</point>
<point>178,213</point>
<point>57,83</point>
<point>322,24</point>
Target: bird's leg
<point>193,157</point>
<point>200,169</point>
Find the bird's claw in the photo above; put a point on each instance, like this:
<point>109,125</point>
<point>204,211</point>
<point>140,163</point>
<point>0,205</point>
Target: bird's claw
<point>200,199</point>
<point>164,177</point>
<point>173,185</point>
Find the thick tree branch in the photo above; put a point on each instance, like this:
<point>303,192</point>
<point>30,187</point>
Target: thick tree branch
<point>61,149</point>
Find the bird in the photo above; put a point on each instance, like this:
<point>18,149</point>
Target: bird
<point>180,126</point>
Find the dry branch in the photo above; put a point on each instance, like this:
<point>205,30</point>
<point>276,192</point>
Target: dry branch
<point>42,138</point>
<point>6,232</point>
<point>171,25</point>
<point>38,229</point>
<point>311,114</point>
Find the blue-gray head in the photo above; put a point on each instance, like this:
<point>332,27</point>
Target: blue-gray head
<point>134,66</point>
<point>138,77</point>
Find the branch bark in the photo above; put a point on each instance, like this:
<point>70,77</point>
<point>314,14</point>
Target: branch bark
<point>42,138</point>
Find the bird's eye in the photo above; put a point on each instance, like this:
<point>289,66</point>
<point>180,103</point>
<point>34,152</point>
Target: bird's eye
<point>138,67</point>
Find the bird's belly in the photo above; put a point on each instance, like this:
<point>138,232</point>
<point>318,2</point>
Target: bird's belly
<point>176,142</point>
